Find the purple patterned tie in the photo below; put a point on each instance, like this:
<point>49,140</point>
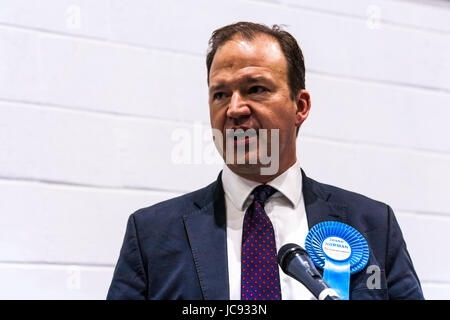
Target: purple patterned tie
<point>260,279</point>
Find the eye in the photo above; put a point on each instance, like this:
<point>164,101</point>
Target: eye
<point>257,89</point>
<point>218,95</point>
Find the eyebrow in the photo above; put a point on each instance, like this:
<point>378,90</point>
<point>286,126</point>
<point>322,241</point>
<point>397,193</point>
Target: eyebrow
<point>216,87</point>
<point>256,79</point>
<point>246,80</point>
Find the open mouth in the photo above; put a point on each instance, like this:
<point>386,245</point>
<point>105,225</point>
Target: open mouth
<point>244,140</point>
<point>242,136</point>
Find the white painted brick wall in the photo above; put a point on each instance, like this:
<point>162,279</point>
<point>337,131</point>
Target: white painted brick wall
<point>92,92</point>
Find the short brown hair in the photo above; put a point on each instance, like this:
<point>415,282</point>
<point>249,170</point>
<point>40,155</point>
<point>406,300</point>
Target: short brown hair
<point>248,30</point>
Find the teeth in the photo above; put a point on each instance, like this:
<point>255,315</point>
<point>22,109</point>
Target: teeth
<point>240,133</point>
<point>251,132</point>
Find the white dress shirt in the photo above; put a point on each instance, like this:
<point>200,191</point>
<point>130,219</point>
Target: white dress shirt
<point>286,210</point>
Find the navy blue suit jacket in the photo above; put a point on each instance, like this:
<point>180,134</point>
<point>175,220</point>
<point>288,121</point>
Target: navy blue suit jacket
<point>177,249</point>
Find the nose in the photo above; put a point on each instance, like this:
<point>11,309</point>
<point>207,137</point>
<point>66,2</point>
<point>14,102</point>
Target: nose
<point>238,107</point>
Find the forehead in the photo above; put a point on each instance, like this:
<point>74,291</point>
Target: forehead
<point>239,56</point>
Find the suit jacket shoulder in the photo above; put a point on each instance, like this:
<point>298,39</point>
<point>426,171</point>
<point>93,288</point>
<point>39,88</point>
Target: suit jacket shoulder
<point>367,213</point>
<point>376,221</point>
<point>175,249</point>
<point>174,208</point>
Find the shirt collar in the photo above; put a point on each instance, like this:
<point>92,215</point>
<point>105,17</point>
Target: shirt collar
<point>238,189</point>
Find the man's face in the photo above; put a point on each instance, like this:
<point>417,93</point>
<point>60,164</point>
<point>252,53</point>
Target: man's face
<point>248,89</point>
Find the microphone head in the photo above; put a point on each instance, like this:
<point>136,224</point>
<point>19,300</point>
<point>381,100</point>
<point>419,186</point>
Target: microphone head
<point>296,263</point>
<point>287,252</point>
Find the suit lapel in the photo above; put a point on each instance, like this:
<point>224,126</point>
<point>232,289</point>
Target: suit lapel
<point>206,229</point>
<point>318,206</point>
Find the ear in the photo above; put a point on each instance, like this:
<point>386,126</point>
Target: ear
<point>303,101</point>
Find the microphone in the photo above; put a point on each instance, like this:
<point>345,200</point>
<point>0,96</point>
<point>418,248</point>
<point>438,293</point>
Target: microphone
<point>295,262</point>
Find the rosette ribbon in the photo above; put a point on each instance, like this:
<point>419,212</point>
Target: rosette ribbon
<point>340,250</point>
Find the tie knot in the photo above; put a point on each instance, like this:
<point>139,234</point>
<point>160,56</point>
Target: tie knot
<point>263,192</point>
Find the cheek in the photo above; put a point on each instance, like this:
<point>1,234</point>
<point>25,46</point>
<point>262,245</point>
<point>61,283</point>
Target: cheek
<point>218,119</point>
<point>276,119</point>
<point>282,120</point>
<point>278,113</point>
<point>213,116</point>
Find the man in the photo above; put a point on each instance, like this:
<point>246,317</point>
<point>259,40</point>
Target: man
<point>221,242</point>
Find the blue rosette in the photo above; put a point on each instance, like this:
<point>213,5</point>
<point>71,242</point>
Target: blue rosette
<point>340,250</point>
